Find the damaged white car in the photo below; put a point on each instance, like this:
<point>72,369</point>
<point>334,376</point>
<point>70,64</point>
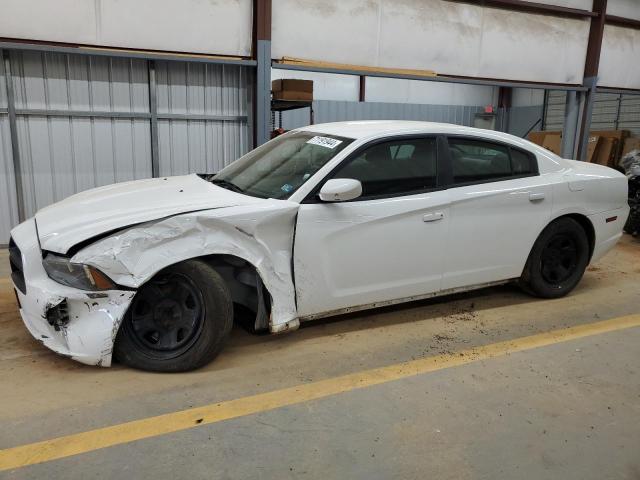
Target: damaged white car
<point>322,220</point>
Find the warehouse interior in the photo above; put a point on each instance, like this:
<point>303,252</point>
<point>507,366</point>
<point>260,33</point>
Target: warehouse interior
<point>484,384</point>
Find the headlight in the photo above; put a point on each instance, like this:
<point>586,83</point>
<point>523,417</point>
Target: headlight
<point>75,275</point>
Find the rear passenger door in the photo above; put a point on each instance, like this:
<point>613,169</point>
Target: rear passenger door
<point>499,205</point>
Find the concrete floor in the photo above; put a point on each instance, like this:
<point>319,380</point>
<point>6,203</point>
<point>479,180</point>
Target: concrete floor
<point>568,410</point>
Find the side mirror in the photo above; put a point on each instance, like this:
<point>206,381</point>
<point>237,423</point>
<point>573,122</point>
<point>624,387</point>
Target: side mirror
<point>340,190</point>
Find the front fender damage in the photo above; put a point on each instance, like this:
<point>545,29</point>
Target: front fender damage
<point>260,234</point>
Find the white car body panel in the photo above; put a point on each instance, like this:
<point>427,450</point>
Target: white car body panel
<point>315,259</point>
<point>104,209</point>
<point>357,253</point>
<point>492,228</point>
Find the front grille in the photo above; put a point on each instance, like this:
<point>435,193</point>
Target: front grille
<point>15,260</point>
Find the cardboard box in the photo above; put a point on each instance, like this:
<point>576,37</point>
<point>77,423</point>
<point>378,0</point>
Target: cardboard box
<point>537,137</point>
<point>605,153</point>
<point>605,146</point>
<point>618,136</point>
<point>630,143</point>
<point>592,145</point>
<point>553,142</point>
<point>291,89</point>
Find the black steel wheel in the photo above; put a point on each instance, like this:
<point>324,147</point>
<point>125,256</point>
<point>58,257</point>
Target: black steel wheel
<point>177,321</point>
<point>557,260</point>
<point>167,315</point>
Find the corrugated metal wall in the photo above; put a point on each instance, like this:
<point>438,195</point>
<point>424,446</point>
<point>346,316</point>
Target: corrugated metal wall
<point>630,114</point>
<point>8,203</point>
<point>554,110</point>
<point>605,111</point>
<point>203,112</point>
<point>61,154</point>
<point>333,111</point>
<point>611,111</point>
<point>85,121</point>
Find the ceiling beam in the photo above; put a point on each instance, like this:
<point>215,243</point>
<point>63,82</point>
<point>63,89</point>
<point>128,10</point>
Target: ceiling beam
<point>622,21</point>
<point>532,7</point>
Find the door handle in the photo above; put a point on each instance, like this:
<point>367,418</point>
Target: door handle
<point>536,196</point>
<point>433,217</point>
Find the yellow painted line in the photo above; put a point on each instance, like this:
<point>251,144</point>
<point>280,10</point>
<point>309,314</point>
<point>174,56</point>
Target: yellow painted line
<point>91,440</point>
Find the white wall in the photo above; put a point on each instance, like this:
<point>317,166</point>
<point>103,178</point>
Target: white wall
<point>527,97</point>
<point>624,8</point>
<point>450,38</point>
<point>620,58</point>
<point>197,26</point>
<point>433,93</point>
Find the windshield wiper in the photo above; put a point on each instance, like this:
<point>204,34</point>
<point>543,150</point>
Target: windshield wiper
<point>227,184</point>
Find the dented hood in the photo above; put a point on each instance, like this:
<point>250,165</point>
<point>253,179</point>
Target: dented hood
<point>105,209</point>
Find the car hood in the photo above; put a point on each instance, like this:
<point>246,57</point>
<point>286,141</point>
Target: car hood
<point>113,207</point>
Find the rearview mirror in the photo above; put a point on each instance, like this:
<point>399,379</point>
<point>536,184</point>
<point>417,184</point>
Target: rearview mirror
<point>340,190</point>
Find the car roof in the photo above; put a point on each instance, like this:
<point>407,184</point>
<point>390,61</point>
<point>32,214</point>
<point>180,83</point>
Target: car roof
<point>372,128</point>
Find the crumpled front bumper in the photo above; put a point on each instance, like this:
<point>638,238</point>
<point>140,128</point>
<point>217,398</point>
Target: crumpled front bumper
<point>92,318</point>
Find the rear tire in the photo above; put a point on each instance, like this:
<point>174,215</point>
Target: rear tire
<point>178,321</point>
<point>557,261</point>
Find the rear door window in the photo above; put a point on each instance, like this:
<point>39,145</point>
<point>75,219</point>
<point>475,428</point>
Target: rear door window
<point>479,161</point>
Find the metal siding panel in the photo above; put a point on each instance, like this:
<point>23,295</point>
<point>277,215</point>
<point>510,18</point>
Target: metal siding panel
<point>33,142</point>
<point>554,116</point>
<point>8,204</point>
<point>3,84</point>
<point>630,114</point>
<point>65,155</point>
<point>188,146</point>
<point>605,108</point>
<point>78,82</point>
<point>100,84</point>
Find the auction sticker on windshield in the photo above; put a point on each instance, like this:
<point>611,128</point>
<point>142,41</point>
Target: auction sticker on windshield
<point>324,142</point>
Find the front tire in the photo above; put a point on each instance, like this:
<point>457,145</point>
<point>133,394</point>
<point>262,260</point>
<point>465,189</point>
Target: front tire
<point>178,321</point>
<point>557,261</point>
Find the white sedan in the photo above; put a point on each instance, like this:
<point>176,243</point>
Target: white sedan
<point>323,220</point>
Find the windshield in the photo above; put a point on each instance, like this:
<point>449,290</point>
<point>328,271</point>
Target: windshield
<point>278,168</point>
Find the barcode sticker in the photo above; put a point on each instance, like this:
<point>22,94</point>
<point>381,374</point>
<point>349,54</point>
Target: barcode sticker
<point>324,142</point>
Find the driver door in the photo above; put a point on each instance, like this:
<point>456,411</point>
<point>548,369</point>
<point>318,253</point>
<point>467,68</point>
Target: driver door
<point>386,245</point>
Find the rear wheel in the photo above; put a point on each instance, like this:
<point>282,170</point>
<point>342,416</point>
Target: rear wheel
<point>557,261</point>
<point>177,321</point>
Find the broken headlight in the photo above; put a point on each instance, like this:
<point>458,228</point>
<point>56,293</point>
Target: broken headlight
<point>76,275</point>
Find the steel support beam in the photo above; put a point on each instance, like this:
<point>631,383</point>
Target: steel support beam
<point>13,129</point>
<point>362,90</point>
<point>262,57</point>
<point>587,100</point>
<point>491,82</point>
<point>532,7</point>
<point>504,107</point>
<point>117,52</point>
<point>263,93</point>
<point>35,112</point>
<point>622,22</point>
<point>570,127</point>
<point>153,110</point>
<point>590,79</point>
